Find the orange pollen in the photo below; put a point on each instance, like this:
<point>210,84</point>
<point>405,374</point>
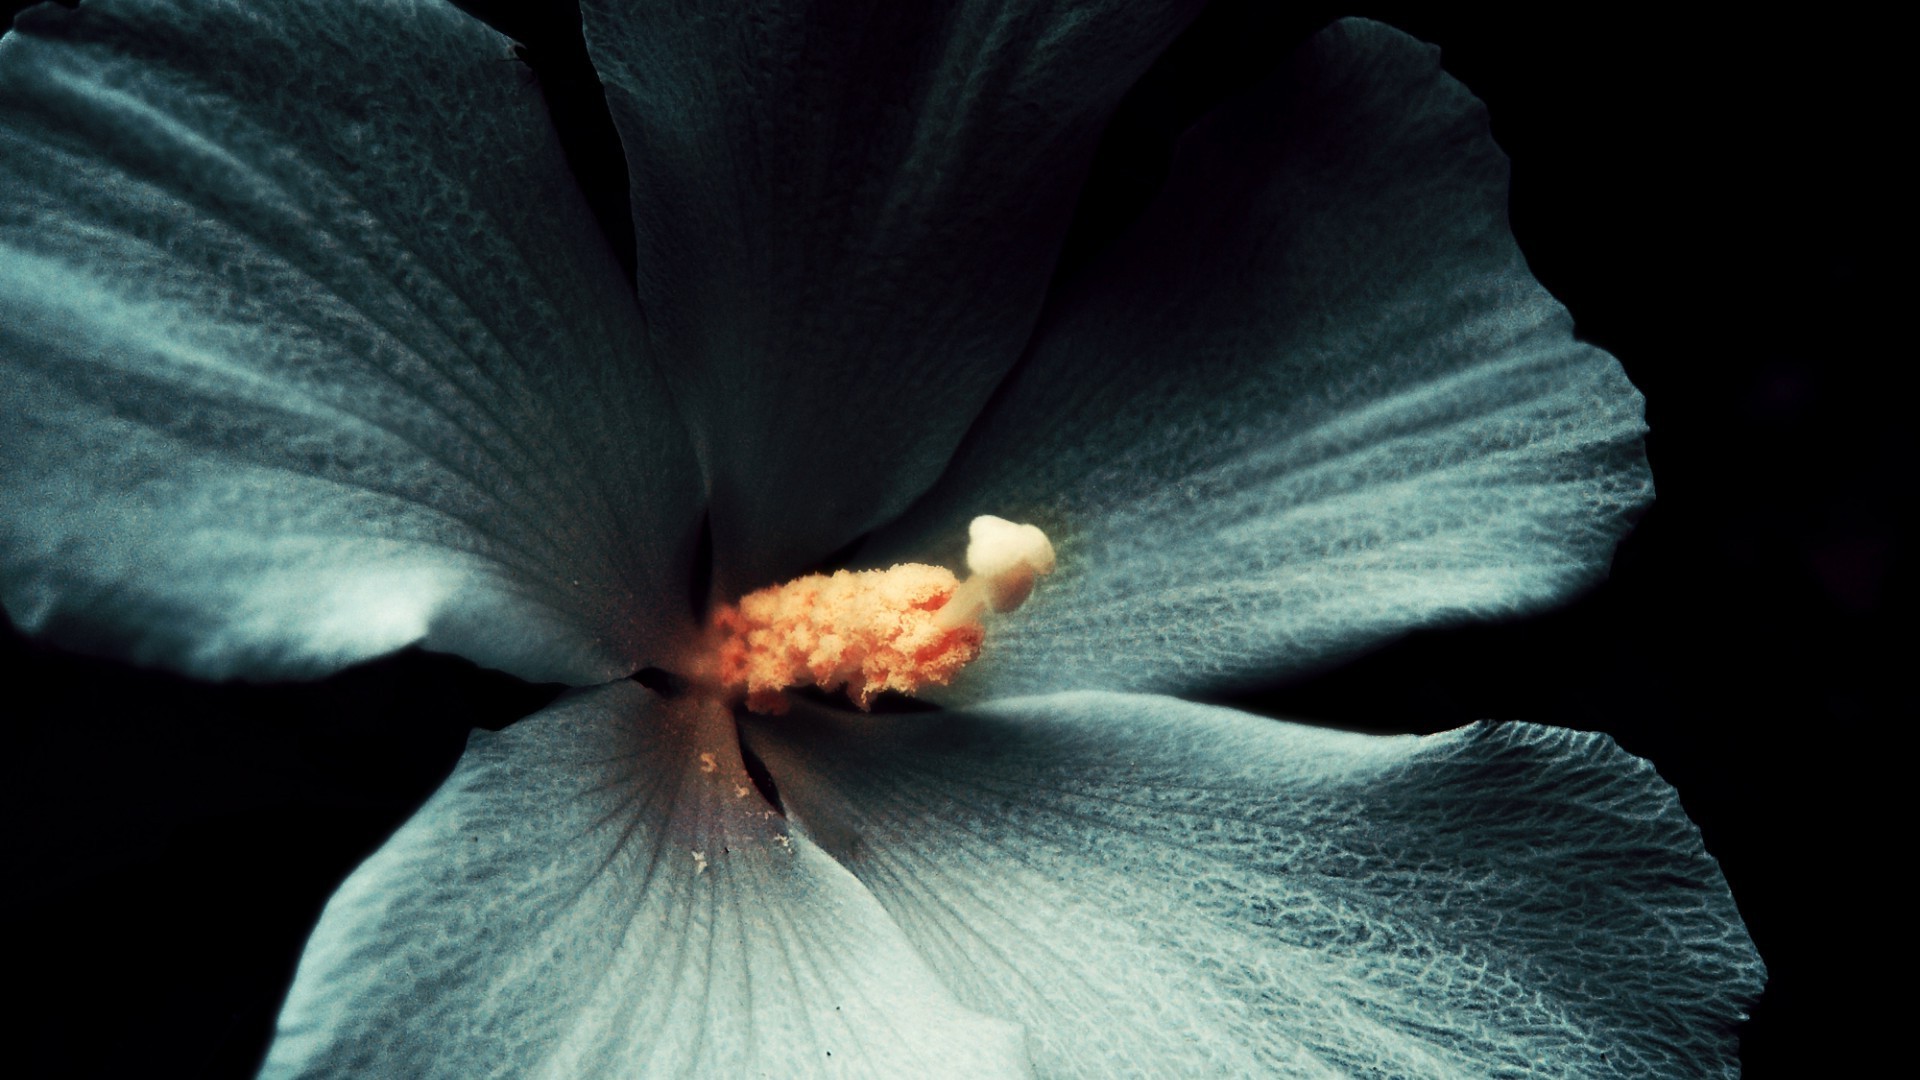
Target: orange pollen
<point>870,631</point>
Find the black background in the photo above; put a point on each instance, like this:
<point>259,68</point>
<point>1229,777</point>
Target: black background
<point>1712,199</point>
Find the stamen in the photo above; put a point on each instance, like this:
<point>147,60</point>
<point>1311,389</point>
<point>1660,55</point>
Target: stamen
<point>870,631</point>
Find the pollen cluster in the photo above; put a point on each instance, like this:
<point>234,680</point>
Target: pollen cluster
<point>871,631</point>
<point>867,632</point>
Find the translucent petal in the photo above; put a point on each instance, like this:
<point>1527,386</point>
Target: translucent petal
<point>310,349</point>
<point>1149,884</point>
<point>1312,400</point>
<point>846,214</point>
<point>599,890</point>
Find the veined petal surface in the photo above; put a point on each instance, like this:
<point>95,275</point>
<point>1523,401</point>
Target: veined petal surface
<point>1313,400</point>
<point>1159,887</point>
<point>599,890</point>
<point>310,349</point>
<point>847,213</point>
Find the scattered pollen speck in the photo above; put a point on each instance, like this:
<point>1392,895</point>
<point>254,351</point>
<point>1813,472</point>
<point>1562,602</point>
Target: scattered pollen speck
<point>740,791</point>
<point>708,763</point>
<point>876,630</point>
<point>699,861</point>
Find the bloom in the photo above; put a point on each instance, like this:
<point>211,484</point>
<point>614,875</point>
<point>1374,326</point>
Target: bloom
<point>304,382</point>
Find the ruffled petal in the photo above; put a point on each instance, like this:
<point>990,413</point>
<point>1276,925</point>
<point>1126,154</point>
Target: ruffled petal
<point>310,349</point>
<point>1314,399</point>
<point>1194,891</point>
<point>599,890</point>
<point>847,214</point>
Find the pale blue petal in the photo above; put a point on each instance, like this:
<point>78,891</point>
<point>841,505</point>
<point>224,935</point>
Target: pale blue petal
<point>599,890</point>
<point>1155,886</point>
<point>1313,400</point>
<point>846,215</point>
<point>309,350</point>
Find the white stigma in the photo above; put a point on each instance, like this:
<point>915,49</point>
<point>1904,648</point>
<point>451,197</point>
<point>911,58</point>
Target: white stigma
<point>1004,559</point>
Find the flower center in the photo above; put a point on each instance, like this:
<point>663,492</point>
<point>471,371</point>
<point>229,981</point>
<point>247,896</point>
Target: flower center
<point>875,630</point>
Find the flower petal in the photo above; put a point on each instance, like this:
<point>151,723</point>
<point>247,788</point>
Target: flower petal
<point>1313,400</point>
<point>600,891</point>
<point>1144,880</point>
<point>310,349</point>
<point>847,214</point>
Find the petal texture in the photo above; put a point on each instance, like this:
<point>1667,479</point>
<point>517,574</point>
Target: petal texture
<point>1156,887</point>
<point>600,891</point>
<point>1312,400</point>
<point>847,212</point>
<point>310,350</point>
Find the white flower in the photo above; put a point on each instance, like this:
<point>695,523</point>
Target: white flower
<point>312,351</point>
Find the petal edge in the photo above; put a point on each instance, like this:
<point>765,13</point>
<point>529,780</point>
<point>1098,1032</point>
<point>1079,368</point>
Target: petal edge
<point>1144,879</point>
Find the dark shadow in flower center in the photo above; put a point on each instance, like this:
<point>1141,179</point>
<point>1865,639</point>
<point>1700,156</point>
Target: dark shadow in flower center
<point>762,778</point>
<point>661,681</point>
<point>700,577</point>
<point>889,703</point>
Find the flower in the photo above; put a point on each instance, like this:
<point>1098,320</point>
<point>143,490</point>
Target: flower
<point>316,353</point>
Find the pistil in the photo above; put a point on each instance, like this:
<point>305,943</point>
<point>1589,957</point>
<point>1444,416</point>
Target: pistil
<point>867,632</point>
